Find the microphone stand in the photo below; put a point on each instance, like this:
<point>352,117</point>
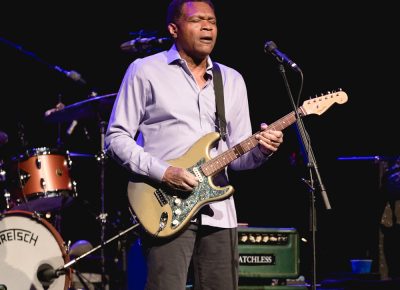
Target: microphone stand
<point>48,278</point>
<point>74,75</point>
<point>313,168</point>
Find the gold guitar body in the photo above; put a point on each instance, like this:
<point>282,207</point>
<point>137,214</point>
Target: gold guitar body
<point>163,212</point>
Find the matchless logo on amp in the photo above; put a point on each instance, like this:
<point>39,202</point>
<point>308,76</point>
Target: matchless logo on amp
<point>257,259</point>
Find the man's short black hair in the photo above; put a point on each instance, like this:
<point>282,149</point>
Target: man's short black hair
<point>175,9</point>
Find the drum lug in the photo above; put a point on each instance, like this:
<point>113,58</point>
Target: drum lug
<point>38,163</point>
<point>74,186</point>
<point>36,216</point>
<point>7,197</point>
<point>43,183</point>
<point>2,173</point>
<point>69,163</point>
<point>24,177</point>
<point>66,246</point>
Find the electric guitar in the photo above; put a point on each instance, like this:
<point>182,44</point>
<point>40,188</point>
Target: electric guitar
<point>164,212</point>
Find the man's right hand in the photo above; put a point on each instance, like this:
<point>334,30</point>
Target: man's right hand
<point>180,179</point>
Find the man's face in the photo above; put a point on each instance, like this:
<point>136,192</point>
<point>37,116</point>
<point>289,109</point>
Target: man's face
<point>196,29</point>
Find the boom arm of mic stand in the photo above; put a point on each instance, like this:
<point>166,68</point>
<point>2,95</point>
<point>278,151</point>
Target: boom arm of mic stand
<point>77,259</point>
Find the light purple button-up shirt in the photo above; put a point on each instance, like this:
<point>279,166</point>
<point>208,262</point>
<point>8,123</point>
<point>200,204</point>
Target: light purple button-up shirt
<point>160,98</point>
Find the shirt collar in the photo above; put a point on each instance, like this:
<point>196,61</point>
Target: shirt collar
<point>174,57</point>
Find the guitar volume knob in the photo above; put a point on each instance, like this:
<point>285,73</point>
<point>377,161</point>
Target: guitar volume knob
<point>177,201</point>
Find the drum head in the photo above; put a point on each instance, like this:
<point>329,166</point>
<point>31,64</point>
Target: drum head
<point>27,243</point>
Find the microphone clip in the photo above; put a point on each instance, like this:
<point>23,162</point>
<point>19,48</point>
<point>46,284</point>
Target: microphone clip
<point>46,274</point>
<point>271,48</point>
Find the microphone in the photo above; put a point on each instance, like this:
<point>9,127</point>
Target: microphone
<point>46,274</point>
<point>73,75</point>
<point>271,48</point>
<point>139,44</point>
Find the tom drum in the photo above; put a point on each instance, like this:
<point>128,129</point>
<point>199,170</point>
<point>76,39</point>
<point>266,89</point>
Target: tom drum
<point>40,180</point>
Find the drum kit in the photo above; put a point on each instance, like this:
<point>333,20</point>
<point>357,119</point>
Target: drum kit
<point>38,181</point>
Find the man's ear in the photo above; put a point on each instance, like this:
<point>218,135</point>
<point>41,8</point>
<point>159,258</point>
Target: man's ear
<point>173,30</point>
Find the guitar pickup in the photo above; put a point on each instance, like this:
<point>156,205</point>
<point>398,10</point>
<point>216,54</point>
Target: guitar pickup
<point>160,195</point>
<point>196,172</point>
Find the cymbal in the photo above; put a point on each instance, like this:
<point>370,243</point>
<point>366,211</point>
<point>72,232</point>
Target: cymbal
<point>93,108</point>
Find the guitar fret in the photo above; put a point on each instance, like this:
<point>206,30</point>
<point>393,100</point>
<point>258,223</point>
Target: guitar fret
<point>249,144</point>
<point>238,149</point>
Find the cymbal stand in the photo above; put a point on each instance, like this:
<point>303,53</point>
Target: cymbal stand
<point>101,158</point>
<point>59,142</point>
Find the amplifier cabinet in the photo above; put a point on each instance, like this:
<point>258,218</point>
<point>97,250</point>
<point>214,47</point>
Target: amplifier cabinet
<point>268,252</point>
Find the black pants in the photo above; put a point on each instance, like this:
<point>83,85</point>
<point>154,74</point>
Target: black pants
<point>212,251</point>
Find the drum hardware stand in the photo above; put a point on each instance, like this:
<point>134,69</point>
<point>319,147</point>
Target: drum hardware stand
<point>81,279</point>
<point>6,193</point>
<point>7,197</point>
<point>21,136</point>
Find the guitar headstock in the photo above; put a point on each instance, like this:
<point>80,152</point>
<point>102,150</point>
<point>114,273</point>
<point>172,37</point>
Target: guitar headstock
<point>320,104</point>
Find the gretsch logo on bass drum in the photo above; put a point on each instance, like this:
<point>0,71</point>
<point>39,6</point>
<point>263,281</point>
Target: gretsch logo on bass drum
<point>10,235</point>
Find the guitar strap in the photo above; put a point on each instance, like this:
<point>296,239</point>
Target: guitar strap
<point>219,100</point>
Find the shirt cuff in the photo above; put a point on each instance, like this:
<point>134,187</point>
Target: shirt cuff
<point>158,169</point>
<point>266,156</point>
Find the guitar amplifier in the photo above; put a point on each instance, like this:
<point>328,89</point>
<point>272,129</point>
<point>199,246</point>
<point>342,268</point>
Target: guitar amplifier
<point>268,253</point>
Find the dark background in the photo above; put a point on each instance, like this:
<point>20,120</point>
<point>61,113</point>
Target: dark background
<point>337,46</point>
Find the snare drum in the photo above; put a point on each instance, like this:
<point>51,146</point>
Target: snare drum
<point>40,180</point>
<point>26,243</point>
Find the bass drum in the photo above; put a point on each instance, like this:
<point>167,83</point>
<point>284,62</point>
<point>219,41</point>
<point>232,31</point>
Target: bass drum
<point>39,180</point>
<point>26,243</point>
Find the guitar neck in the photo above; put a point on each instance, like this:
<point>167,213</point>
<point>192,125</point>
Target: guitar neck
<point>222,160</point>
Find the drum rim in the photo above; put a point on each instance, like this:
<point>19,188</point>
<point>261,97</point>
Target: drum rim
<point>39,151</point>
